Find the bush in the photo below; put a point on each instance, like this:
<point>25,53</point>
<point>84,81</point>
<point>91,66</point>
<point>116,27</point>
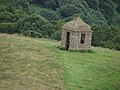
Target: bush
<point>68,10</point>
<point>94,4</point>
<point>8,28</point>
<point>32,33</point>
<point>49,14</point>
<point>56,35</point>
<point>8,17</point>
<point>53,4</point>
<point>24,4</point>
<point>57,25</point>
<point>37,24</point>
<point>106,37</point>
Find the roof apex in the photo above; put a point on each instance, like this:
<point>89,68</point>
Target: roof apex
<point>77,25</point>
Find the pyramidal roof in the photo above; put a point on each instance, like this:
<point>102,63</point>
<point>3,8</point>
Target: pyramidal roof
<point>77,25</point>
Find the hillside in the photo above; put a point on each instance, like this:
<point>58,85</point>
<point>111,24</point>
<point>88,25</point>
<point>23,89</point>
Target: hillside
<point>39,64</point>
<point>44,18</point>
<point>103,12</point>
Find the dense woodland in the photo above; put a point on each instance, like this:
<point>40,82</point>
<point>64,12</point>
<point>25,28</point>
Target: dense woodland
<point>44,18</point>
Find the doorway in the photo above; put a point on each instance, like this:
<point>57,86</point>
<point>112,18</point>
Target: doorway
<point>67,40</point>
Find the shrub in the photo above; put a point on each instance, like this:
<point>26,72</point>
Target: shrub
<point>94,4</point>
<point>68,10</point>
<point>106,37</point>
<point>8,28</point>
<point>24,4</point>
<point>8,17</point>
<point>56,35</point>
<point>32,33</point>
<point>35,23</point>
<point>49,14</point>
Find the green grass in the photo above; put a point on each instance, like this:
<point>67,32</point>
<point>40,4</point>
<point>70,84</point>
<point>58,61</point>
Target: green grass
<point>27,64</point>
<point>39,64</point>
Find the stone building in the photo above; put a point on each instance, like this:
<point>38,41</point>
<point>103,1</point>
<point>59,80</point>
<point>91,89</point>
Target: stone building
<point>76,35</point>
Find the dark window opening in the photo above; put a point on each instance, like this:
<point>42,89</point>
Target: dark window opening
<point>82,38</point>
<point>67,40</point>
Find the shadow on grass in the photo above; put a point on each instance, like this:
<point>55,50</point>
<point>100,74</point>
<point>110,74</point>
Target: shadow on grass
<point>81,51</point>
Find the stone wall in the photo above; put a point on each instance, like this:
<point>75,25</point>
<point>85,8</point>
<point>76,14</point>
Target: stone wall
<point>63,38</point>
<point>75,40</point>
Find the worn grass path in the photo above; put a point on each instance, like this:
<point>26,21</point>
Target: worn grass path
<point>96,70</point>
<point>39,64</point>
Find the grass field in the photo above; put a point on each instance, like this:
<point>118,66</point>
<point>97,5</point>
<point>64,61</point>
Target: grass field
<point>39,64</point>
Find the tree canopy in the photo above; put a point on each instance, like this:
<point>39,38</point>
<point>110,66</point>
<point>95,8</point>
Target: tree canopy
<point>44,18</point>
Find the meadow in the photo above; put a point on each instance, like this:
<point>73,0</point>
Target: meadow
<point>39,64</point>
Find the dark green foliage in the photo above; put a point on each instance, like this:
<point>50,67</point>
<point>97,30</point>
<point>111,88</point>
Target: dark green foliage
<point>107,7</point>
<point>7,14</point>
<point>94,4</point>
<point>88,9</point>
<point>8,28</point>
<point>68,10</point>
<point>44,18</point>
<point>57,29</point>
<point>106,37</point>
<point>56,35</point>
<point>24,4</point>
<point>49,14</point>
<point>8,17</point>
<point>35,24</point>
<point>53,4</point>
<point>116,19</point>
<point>113,40</point>
<point>32,33</point>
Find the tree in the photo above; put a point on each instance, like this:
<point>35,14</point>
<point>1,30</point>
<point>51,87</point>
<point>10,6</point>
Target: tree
<point>49,14</point>
<point>68,10</point>
<point>24,4</point>
<point>35,24</point>
<point>94,4</point>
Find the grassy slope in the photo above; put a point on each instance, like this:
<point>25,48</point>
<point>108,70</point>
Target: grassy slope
<point>27,64</point>
<point>32,64</point>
